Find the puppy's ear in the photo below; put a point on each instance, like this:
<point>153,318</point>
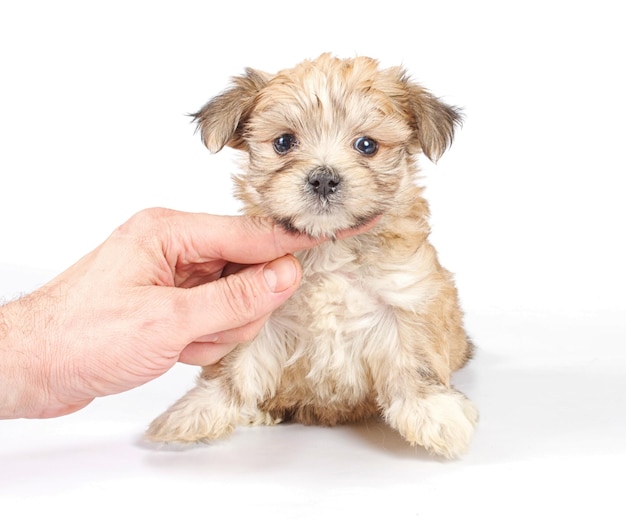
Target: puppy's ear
<point>434,122</point>
<point>221,120</point>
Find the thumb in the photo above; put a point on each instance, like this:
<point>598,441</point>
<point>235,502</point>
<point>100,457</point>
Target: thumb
<point>241,298</point>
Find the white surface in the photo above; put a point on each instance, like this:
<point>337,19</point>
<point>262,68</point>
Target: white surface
<point>527,211</point>
<point>550,445</point>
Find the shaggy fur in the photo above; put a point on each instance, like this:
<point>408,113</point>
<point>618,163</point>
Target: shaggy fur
<point>375,327</point>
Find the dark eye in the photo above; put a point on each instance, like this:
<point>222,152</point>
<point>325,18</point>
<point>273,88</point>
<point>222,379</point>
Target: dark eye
<point>285,143</point>
<point>367,146</point>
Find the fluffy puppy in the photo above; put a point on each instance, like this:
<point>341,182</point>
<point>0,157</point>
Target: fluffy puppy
<point>375,328</point>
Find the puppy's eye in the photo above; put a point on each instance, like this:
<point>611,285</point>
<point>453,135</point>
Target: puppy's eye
<point>285,143</point>
<point>366,146</point>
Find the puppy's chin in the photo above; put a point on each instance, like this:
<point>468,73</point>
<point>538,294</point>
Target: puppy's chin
<point>324,226</point>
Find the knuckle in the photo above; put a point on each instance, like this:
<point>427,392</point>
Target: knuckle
<point>145,227</point>
<point>148,218</point>
<point>144,222</point>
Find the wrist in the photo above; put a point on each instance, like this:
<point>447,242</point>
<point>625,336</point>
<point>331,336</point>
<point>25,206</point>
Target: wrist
<point>23,361</point>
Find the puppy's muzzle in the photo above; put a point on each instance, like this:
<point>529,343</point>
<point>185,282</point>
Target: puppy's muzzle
<point>324,181</point>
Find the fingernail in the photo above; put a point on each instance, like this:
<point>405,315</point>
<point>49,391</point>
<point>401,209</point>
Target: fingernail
<point>280,274</point>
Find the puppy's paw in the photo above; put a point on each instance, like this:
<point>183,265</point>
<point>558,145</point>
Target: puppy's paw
<point>181,425</point>
<point>202,414</point>
<point>442,422</point>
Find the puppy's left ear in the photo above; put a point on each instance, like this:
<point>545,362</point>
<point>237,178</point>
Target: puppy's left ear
<point>221,121</point>
<point>434,122</point>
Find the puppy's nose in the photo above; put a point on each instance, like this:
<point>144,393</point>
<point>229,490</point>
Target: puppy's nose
<point>324,181</point>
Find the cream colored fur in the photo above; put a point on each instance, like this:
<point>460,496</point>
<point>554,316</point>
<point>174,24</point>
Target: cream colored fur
<point>375,328</point>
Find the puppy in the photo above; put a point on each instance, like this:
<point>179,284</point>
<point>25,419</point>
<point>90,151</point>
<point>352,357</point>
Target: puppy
<point>375,327</point>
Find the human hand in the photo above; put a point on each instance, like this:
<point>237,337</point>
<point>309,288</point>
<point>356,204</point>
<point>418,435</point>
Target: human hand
<point>164,287</point>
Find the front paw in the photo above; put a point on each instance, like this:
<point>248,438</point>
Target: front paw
<point>181,426</point>
<point>203,414</point>
<point>442,422</point>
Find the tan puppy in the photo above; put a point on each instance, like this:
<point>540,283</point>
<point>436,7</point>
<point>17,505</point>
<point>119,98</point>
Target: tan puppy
<point>375,327</point>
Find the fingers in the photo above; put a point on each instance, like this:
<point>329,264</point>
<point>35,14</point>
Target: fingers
<point>195,238</point>
<point>203,353</point>
<point>239,299</point>
<point>245,262</point>
<point>209,349</point>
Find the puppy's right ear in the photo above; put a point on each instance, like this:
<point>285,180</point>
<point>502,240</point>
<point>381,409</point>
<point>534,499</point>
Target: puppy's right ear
<point>222,119</point>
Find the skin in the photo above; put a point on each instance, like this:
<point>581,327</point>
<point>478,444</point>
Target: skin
<point>165,287</point>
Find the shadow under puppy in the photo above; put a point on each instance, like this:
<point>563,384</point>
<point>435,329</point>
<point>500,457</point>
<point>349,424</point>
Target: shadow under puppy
<point>375,327</point>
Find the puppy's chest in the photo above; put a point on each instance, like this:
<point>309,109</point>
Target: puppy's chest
<point>336,297</point>
<point>333,319</point>
<point>345,311</point>
<point>341,293</point>
<point>342,322</point>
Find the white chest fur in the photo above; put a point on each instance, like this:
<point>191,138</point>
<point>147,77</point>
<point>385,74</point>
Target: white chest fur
<point>342,319</point>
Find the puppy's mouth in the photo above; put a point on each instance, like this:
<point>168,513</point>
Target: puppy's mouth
<point>326,206</point>
<point>318,230</point>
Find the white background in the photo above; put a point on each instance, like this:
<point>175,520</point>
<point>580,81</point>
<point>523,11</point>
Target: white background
<point>527,204</point>
<point>527,211</point>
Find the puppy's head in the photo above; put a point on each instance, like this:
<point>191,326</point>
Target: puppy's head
<point>329,143</point>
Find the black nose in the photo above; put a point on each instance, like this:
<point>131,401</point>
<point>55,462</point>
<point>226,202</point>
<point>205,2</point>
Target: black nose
<point>324,181</point>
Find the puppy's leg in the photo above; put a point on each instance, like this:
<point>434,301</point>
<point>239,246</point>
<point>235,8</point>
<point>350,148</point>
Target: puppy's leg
<point>415,396</point>
<point>226,395</point>
<point>207,412</point>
